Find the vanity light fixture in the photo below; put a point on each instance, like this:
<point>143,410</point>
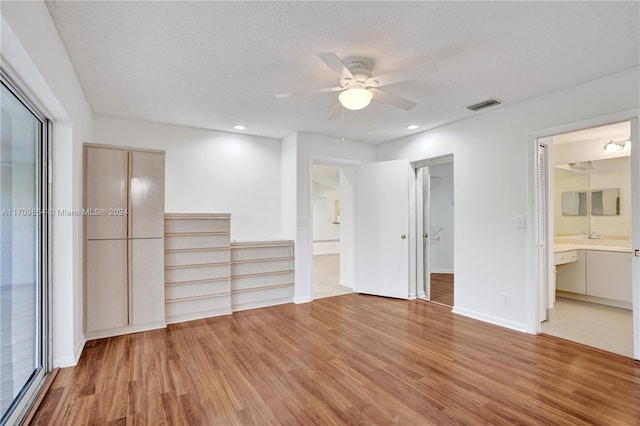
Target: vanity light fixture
<point>617,146</point>
<point>411,126</point>
<point>240,127</point>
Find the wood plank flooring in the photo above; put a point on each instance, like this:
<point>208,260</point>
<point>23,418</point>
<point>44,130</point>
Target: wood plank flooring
<point>351,359</point>
<point>442,289</point>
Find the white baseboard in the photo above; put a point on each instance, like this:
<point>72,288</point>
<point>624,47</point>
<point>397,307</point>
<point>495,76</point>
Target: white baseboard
<point>78,352</point>
<point>442,271</point>
<point>299,300</point>
<point>348,285</point>
<point>64,361</point>
<point>92,335</point>
<point>522,327</point>
<point>70,360</point>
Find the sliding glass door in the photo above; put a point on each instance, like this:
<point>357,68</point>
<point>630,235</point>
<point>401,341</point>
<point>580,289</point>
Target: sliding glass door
<point>24,218</point>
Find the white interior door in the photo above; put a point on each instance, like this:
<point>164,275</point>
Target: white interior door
<point>382,235</point>
<point>635,233</point>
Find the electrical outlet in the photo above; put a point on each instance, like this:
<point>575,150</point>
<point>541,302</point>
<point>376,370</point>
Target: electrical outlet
<point>506,299</point>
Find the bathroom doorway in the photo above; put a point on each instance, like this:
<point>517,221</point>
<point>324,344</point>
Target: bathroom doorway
<point>436,230</point>
<point>589,194</point>
<point>329,185</point>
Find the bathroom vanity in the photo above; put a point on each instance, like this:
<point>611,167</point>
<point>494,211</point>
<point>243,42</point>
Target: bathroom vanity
<point>597,270</point>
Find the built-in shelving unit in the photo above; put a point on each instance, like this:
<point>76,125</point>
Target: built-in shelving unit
<point>206,275</point>
<point>197,266</point>
<point>261,274</point>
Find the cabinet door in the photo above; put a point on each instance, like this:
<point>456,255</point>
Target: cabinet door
<point>609,275</point>
<point>571,276</point>
<point>147,280</point>
<point>106,284</point>
<point>105,190</point>
<point>147,194</point>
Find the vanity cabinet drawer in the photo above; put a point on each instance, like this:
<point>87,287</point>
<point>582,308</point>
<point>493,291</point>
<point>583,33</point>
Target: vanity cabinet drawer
<point>563,257</point>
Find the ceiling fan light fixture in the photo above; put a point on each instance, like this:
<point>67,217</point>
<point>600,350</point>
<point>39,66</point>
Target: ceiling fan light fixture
<point>355,98</point>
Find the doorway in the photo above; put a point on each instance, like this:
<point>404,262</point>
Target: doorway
<point>590,216</point>
<point>435,217</point>
<point>329,187</point>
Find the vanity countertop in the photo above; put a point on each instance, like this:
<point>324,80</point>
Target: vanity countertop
<point>623,246</point>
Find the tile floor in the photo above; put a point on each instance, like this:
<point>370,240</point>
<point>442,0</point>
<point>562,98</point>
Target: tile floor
<point>326,276</point>
<point>592,324</point>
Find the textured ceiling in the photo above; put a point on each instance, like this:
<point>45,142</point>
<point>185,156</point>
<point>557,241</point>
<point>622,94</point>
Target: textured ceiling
<point>217,64</point>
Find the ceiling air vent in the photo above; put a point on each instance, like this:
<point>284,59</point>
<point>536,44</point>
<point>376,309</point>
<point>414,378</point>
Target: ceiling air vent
<point>484,104</point>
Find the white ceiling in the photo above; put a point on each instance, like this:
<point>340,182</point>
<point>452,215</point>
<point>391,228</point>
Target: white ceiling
<point>217,64</point>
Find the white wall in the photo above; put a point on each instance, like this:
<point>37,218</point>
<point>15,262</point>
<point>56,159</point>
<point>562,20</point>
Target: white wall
<point>209,171</point>
<point>493,160</point>
<point>322,149</point>
<point>289,185</point>
<point>347,225</point>
<point>324,199</point>
<point>34,56</point>
<point>442,212</point>
<point>613,173</point>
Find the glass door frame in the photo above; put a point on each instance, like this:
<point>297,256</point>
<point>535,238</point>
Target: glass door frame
<point>27,396</point>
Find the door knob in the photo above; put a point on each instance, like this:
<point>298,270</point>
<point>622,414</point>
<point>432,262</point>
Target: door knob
<point>426,235</point>
<point>403,236</point>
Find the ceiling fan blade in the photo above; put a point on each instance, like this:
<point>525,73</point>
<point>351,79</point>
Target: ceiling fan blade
<point>411,73</point>
<point>336,65</point>
<point>335,112</point>
<point>391,99</point>
<point>309,92</point>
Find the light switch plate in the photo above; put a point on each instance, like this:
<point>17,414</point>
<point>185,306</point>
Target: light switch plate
<point>520,222</point>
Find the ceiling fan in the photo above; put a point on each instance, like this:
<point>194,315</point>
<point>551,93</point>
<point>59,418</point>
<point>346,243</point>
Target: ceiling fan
<point>358,87</point>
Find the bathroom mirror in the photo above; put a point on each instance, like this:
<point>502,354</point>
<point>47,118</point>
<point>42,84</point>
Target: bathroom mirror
<point>605,202</point>
<point>574,203</point>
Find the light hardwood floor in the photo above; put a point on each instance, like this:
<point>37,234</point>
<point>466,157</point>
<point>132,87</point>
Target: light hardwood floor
<point>352,359</point>
<point>442,289</point>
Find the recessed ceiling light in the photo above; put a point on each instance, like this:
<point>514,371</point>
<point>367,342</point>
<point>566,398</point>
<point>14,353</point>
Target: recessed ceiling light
<point>411,126</point>
<point>240,127</point>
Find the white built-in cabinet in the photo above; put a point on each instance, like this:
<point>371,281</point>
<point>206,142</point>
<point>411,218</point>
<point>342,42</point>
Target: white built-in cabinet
<point>609,275</point>
<point>571,271</point>
<point>207,275</point>
<point>197,266</point>
<point>602,275</point>
<point>261,274</point>
<point>124,240</point>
